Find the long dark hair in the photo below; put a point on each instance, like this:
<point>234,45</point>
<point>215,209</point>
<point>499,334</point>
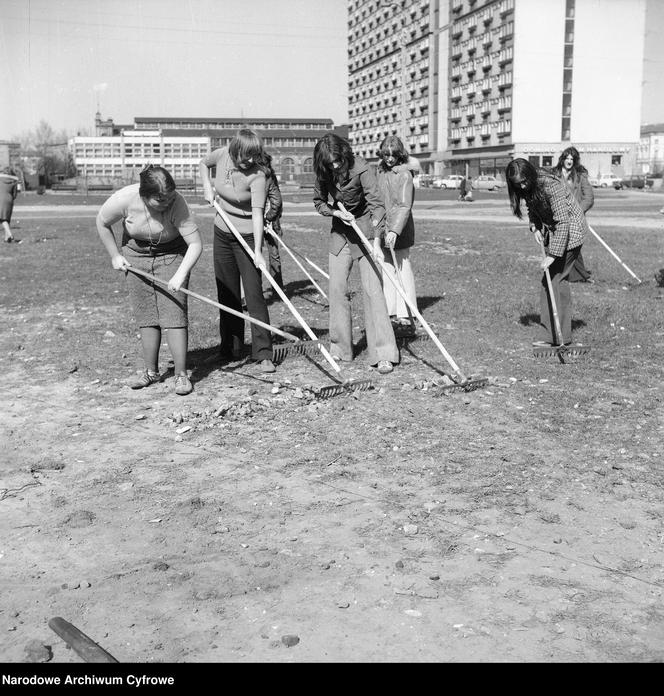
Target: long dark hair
<point>154,180</point>
<point>520,171</point>
<point>577,167</point>
<point>332,148</point>
<point>247,143</point>
<point>392,145</point>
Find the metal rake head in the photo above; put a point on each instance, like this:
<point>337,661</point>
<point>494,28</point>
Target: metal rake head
<point>561,352</point>
<point>280,351</point>
<point>467,385</point>
<point>346,387</point>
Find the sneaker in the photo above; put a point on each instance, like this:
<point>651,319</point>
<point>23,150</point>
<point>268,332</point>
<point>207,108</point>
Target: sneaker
<point>542,344</point>
<point>267,366</point>
<point>384,367</point>
<point>146,379</point>
<point>183,385</point>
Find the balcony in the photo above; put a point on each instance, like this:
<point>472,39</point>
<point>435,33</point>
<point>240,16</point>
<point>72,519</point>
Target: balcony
<point>485,108</point>
<point>504,104</point>
<point>505,79</point>
<point>505,56</point>
<point>504,127</point>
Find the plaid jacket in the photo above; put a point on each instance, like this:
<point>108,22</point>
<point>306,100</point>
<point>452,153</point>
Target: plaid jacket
<point>562,215</point>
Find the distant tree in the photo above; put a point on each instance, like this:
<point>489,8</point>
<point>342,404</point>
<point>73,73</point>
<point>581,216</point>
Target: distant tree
<point>50,147</point>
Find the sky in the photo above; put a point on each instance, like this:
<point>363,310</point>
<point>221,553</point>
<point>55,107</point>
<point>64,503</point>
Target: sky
<point>60,60</point>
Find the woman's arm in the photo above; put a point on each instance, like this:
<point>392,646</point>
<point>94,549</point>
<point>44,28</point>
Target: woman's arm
<point>107,237</point>
<point>194,249</point>
<point>375,201</point>
<point>321,197</point>
<point>204,172</point>
<point>276,201</point>
<point>404,203</point>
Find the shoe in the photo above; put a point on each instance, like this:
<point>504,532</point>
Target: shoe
<point>183,385</point>
<point>542,344</point>
<point>267,366</point>
<point>384,367</point>
<point>146,379</point>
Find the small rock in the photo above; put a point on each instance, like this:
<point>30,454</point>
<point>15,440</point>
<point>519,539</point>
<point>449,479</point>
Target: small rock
<point>160,565</point>
<point>399,564</point>
<point>343,605</point>
<point>109,334</point>
<point>435,576</point>
<point>413,612</point>
<point>36,651</point>
<point>410,529</point>
<point>140,416</point>
<point>298,394</point>
<point>290,640</point>
<point>183,429</point>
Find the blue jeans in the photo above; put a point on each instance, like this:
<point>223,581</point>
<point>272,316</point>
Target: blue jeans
<point>381,344</point>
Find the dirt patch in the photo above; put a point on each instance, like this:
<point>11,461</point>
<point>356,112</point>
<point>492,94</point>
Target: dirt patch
<point>251,521</point>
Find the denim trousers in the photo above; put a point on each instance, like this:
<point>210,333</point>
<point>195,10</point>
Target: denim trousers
<point>232,264</point>
<point>559,271</point>
<point>381,344</point>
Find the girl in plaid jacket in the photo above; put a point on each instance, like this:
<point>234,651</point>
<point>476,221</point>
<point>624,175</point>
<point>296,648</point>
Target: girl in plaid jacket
<point>556,219</point>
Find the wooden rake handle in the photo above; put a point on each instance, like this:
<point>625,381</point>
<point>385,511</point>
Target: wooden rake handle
<point>277,289</point>
<point>281,243</point>
<point>613,253</point>
<point>558,338</point>
<point>409,304</point>
<point>223,308</point>
<point>81,644</point>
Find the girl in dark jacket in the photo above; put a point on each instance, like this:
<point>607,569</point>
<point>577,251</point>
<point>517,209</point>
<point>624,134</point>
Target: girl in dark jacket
<point>570,171</point>
<point>557,220</point>
<point>395,183</point>
<point>342,177</point>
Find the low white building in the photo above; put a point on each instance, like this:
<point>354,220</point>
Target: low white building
<point>650,159</point>
<point>109,159</point>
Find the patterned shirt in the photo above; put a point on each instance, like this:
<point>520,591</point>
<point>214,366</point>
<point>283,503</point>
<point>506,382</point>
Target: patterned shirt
<point>562,215</point>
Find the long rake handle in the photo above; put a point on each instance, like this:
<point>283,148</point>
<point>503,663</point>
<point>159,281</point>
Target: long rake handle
<point>316,268</point>
<point>613,253</point>
<point>556,319</point>
<point>403,287</point>
<point>277,289</point>
<point>410,305</point>
<point>224,308</point>
<point>281,242</point>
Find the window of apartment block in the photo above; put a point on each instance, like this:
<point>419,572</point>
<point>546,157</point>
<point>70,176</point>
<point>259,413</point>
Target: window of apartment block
<point>616,159</point>
<point>547,161</point>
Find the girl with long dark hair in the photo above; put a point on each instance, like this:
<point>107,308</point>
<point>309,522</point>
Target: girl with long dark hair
<point>558,222</point>
<point>570,171</point>
<point>342,177</point>
<point>241,185</point>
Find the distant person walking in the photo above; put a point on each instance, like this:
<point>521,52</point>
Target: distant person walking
<point>342,177</point>
<point>395,183</point>
<point>557,220</point>
<point>240,182</point>
<point>8,193</point>
<point>160,237</point>
<point>466,189</point>
<point>570,170</point>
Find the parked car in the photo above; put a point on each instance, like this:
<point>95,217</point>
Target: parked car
<point>423,181</point>
<point>485,182</point>
<point>604,180</point>
<point>452,181</point>
<point>637,181</point>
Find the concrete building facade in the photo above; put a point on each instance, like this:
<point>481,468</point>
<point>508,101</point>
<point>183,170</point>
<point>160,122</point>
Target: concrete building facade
<point>511,78</point>
<point>650,158</point>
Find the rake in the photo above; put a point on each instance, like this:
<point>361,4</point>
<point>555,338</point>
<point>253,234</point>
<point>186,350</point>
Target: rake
<point>345,385</point>
<point>559,350</point>
<point>312,264</point>
<point>464,383</point>
<point>279,351</point>
<point>281,242</point>
<point>615,256</point>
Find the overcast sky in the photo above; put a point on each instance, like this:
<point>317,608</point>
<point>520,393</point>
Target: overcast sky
<point>60,59</point>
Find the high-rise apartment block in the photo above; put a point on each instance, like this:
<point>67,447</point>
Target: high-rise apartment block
<point>470,84</point>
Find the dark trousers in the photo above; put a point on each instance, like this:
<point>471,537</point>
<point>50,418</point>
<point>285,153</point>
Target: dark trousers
<point>232,263</point>
<point>579,272</point>
<point>559,271</point>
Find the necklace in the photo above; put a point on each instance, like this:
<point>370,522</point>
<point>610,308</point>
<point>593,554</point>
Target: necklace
<point>147,219</point>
